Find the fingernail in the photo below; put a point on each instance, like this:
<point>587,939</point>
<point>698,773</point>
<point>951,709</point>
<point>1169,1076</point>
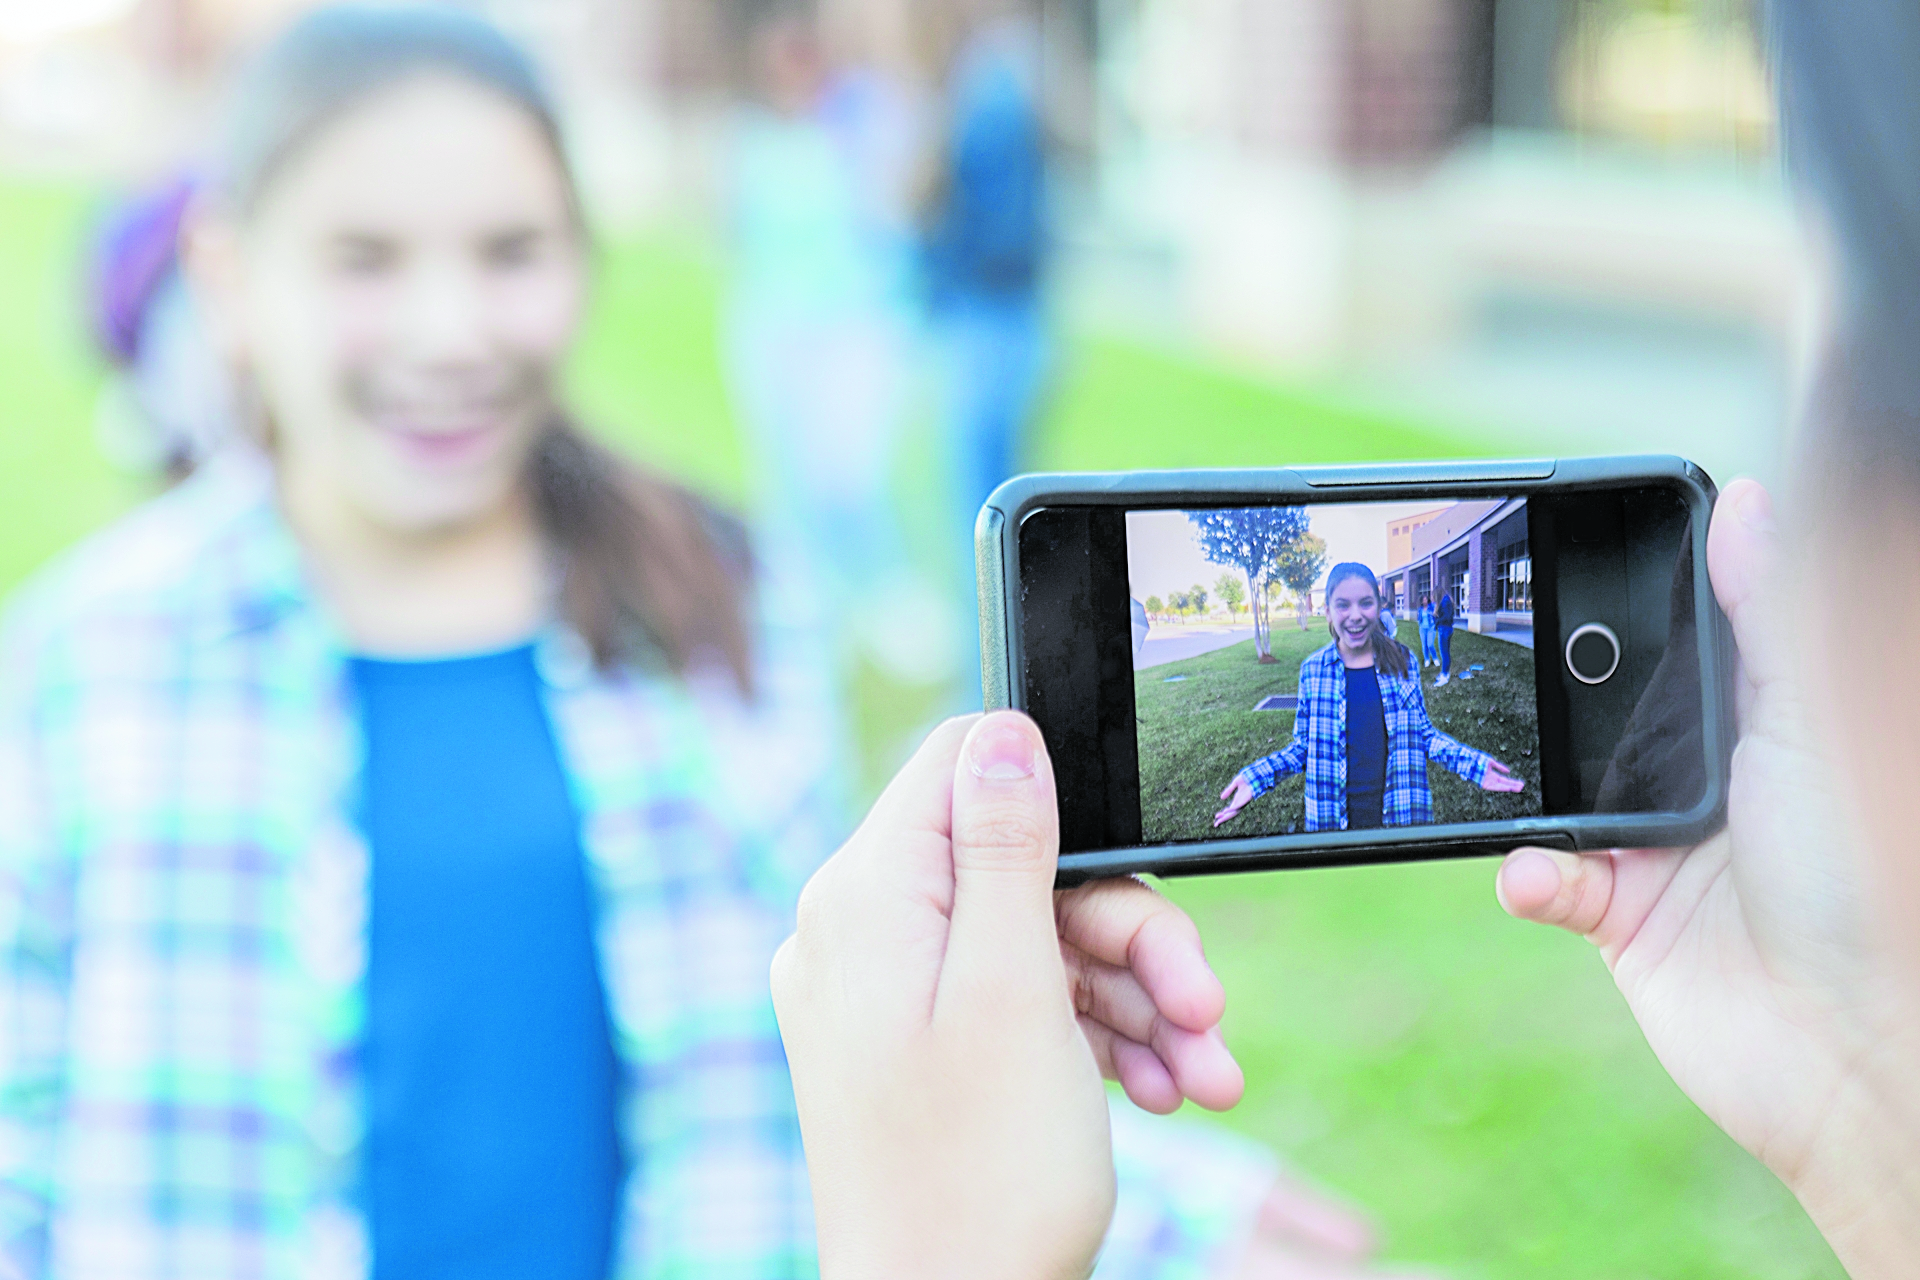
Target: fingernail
<point>1756,508</point>
<point>1001,754</point>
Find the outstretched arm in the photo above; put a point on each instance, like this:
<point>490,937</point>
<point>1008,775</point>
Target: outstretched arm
<point>1259,777</point>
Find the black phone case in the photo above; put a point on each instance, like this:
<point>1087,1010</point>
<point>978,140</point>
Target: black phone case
<point>997,549</point>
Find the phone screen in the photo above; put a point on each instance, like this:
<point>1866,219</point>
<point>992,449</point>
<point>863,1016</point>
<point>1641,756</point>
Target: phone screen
<point>1332,667</point>
<point>1205,673</point>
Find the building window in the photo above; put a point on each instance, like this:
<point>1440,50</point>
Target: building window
<point>1457,584</point>
<point>1516,579</point>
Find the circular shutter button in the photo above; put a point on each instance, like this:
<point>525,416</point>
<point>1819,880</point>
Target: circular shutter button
<point>1593,653</point>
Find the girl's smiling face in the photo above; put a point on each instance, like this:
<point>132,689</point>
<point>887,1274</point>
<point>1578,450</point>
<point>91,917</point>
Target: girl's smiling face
<point>1353,607</point>
<point>403,296</point>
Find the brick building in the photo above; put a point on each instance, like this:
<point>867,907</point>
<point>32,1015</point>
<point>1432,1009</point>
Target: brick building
<point>1400,534</point>
<point>1479,552</point>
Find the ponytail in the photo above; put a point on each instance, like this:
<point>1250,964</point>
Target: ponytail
<point>1389,655</point>
<point>646,567</point>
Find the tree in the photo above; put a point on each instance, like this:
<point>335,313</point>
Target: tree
<point>1198,594</point>
<point>1231,593</point>
<point>1155,609</point>
<point>1300,563</point>
<point>1250,539</point>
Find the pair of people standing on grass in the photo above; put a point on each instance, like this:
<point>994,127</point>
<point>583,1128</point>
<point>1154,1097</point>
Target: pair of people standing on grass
<point>1429,642</point>
<point>1361,732</point>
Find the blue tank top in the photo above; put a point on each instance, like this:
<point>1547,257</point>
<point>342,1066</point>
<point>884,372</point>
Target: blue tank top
<point>491,1081</point>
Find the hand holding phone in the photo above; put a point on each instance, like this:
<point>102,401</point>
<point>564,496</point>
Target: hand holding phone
<point>1748,960</point>
<point>948,1018</point>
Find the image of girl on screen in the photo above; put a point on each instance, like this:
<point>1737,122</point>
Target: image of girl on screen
<point>1361,733</point>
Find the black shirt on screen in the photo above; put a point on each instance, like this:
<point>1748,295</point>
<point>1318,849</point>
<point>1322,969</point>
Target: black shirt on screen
<point>1366,750</point>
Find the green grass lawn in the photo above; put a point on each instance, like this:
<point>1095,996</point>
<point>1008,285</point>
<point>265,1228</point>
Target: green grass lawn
<point>1197,728</point>
<point>1476,1082</point>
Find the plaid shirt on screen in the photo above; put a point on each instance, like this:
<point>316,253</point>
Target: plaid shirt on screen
<point>183,905</point>
<point>1319,747</point>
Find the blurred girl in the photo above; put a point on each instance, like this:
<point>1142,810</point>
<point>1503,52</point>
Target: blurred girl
<point>398,818</point>
<point>1361,732</point>
<point>378,881</point>
<point>1429,642</point>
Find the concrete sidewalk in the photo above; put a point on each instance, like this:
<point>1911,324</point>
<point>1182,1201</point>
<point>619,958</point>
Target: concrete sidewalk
<point>1171,644</point>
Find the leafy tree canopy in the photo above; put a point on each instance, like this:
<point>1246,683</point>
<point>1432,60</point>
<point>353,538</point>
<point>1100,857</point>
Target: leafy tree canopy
<point>1301,563</point>
<point>1247,538</point>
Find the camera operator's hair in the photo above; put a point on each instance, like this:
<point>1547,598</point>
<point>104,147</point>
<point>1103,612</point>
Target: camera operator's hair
<point>648,570</point>
<point>1389,655</point>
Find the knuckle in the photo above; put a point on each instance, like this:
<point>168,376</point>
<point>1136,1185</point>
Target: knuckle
<point>1584,895</point>
<point>1082,986</point>
<point>1003,829</point>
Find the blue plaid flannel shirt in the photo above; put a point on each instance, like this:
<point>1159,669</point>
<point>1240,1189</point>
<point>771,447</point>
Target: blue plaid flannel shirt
<point>1319,747</point>
<point>182,910</point>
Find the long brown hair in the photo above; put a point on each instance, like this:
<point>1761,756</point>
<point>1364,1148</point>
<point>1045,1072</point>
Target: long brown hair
<point>649,572</point>
<point>1389,655</point>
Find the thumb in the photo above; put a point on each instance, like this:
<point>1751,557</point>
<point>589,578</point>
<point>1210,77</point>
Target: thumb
<point>1006,843</point>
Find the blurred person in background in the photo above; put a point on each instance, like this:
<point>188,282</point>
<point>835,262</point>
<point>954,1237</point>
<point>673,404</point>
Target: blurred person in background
<point>169,405</point>
<point>398,818</point>
<point>821,326</point>
<point>986,254</point>
<point>1443,620</point>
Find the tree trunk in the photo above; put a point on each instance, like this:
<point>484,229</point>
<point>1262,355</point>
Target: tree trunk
<point>1262,633</point>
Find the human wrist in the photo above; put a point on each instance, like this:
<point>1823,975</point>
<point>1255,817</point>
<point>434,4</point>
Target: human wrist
<point>1859,1180</point>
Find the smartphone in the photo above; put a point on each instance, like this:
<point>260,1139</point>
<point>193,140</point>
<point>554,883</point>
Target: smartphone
<point>1312,666</point>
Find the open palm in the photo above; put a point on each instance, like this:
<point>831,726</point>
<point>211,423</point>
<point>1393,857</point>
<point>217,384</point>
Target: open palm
<point>1747,960</point>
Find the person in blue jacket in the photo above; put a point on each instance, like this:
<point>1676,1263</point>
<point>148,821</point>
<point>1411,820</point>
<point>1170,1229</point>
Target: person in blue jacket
<point>1443,616</point>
